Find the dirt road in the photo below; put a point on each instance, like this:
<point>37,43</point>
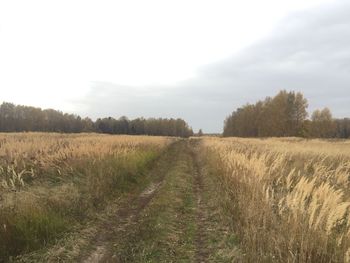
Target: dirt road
<point>175,218</point>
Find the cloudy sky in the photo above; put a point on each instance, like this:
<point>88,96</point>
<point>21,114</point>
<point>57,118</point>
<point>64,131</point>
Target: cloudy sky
<point>198,60</point>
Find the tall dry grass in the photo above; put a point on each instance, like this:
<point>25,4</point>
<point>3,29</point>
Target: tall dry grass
<point>51,182</point>
<point>289,198</point>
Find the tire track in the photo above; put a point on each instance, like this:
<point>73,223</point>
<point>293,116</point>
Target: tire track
<point>125,216</point>
<point>201,240</point>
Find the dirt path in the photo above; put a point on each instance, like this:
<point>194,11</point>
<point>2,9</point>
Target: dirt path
<point>176,218</point>
<point>214,240</point>
<point>202,248</point>
<point>124,218</point>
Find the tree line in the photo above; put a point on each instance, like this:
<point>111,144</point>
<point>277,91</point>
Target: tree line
<point>284,115</point>
<point>19,118</point>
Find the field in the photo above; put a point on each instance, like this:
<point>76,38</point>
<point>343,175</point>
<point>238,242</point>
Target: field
<point>289,198</point>
<point>108,198</point>
<point>50,182</point>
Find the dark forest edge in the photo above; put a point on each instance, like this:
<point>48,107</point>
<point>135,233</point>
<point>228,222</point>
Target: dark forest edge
<point>284,115</point>
<point>19,118</point>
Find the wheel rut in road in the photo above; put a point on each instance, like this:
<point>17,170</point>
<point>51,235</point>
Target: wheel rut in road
<point>202,251</point>
<point>124,217</point>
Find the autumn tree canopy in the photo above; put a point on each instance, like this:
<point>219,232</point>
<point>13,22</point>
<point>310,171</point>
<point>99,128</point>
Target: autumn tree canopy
<point>284,115</point>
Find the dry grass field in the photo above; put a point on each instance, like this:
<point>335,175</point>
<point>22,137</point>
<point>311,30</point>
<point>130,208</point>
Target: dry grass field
<point>107,198</point>
<point>289,198</point>
<point>51,182</point>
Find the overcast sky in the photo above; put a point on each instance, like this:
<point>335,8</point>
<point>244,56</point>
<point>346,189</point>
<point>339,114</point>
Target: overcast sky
<point>197,60</point>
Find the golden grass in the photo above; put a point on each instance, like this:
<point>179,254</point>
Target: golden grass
<point>49,182</point>
<point>31,154</point>
<point>290,197</point>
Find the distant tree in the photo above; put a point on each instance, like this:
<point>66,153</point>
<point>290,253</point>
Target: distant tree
<point>87,125</point>
<point>200,133</point>
<point>282,115</point>
<point>342,128</point>
<point>323,125</point>
<point>296,112</point>
<point>17,118</point>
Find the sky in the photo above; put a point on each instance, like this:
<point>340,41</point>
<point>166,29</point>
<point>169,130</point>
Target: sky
<point>196,60</point>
